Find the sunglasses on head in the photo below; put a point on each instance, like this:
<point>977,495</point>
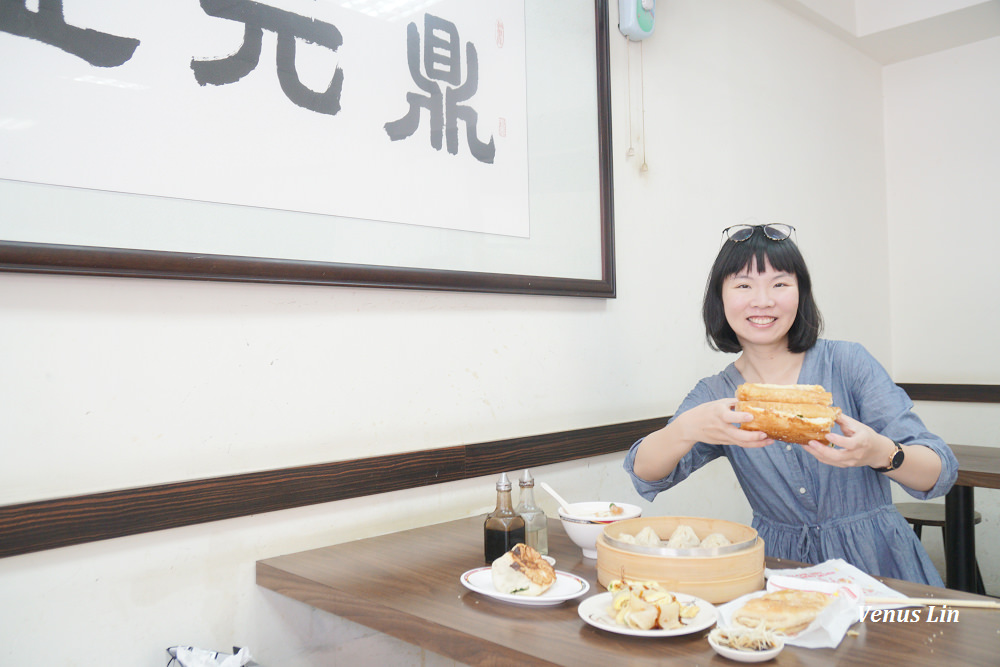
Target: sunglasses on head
<point>738,233</point>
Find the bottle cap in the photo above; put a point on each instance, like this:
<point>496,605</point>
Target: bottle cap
<point>503,484</point>
<point>526,479</point>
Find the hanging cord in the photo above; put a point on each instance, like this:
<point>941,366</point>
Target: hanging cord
<point>628,78</point>
<point>642,89</point>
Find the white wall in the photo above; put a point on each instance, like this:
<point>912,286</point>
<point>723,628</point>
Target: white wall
<point>749,112</point>
<point>942,143</point>
<point>943,139</point>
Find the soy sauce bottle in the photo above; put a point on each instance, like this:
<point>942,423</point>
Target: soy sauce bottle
<point>503,527</point>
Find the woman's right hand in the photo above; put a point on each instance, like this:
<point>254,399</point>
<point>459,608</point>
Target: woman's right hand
<point>714,423</point>
<point>717,423</point>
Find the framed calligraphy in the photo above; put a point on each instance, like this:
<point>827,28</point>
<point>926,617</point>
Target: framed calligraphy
<point>437,147</point>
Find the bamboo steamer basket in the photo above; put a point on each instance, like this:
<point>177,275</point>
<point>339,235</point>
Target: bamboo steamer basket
<point>715,575</point>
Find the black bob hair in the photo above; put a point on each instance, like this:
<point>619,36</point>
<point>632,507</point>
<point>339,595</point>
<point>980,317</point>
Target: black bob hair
<point>783,256</point>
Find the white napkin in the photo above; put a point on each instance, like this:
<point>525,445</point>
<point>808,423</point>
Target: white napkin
<point>845,576</point>
<point>189,656</point>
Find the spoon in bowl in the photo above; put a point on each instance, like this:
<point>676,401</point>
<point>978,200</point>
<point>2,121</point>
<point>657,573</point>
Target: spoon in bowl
<point>562,503</point>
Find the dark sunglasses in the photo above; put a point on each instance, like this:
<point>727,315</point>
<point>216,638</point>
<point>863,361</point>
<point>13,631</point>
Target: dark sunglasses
<point>738,233</point>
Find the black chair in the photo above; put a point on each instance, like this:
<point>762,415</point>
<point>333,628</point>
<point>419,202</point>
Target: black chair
<point>932,514</point>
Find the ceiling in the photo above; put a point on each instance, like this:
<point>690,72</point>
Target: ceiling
<point>891,31</point>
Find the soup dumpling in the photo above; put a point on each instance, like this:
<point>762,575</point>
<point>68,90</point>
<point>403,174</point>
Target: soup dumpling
<point>683,537</point>
<point>715,540</point>
<point>647,537</point>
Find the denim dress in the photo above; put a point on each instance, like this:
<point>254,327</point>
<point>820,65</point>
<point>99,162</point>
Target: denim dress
<point>811,512</point>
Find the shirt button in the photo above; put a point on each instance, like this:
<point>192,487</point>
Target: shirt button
<point>802,489</point>
<point>788,447</point>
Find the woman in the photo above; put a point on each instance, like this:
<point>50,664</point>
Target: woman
<point>815,502</point>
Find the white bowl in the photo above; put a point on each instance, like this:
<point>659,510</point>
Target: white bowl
<point>743,655</point>
<point>586,521</point>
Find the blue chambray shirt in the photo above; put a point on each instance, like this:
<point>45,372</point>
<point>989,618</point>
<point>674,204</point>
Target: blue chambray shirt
<point>811,512</point>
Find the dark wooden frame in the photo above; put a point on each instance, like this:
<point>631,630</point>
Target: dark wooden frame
<point>97,261</point>
<point>49,524</point>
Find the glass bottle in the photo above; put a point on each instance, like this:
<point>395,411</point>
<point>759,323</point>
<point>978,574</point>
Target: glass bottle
<point>503,527</point>
<point>536,524</point>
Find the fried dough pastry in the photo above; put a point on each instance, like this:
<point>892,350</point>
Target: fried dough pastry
<point>787,611</point>
<point>791,413</point>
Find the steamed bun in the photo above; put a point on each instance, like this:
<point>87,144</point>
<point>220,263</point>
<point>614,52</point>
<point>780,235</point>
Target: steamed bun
<point>522,571</point>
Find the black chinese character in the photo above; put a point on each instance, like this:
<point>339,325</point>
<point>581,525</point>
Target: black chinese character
<point>442,62</point>
<point>48,25</point>
<point>257,18</point>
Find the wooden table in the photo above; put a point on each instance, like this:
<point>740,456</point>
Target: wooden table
<point>407,585</point>
<point>977,466</point>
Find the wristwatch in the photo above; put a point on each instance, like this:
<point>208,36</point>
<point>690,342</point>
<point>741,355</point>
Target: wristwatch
<point>895,460</point>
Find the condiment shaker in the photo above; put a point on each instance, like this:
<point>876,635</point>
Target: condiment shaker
<point>536,524</point>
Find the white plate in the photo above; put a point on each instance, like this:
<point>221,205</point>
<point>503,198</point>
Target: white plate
<point>567,587</point>
<point>745,656</point>
<point>594,610</point>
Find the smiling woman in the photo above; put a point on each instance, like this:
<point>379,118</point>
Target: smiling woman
<point>759,303</point>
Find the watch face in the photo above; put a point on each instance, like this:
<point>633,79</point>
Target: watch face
<point>897,459</point>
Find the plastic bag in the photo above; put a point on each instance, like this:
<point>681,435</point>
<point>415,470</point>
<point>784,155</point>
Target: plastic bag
<point>189,656</point>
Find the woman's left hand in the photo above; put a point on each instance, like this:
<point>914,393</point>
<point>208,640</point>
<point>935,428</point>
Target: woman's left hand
<point>859,446</point>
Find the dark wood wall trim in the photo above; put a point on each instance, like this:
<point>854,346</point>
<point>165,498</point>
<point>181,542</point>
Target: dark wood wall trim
<point>957,393</point>
<point>48,524</point>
